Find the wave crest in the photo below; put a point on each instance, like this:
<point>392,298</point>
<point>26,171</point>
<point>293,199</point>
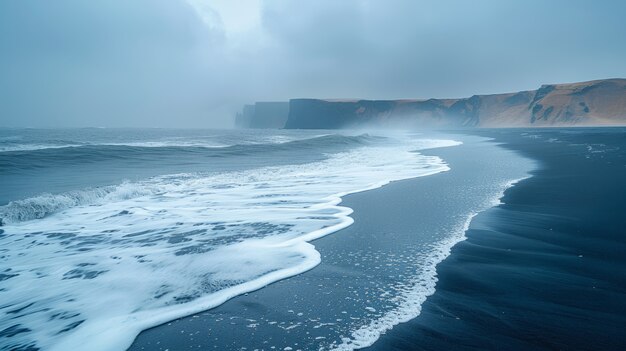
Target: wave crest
<point>42,205</point>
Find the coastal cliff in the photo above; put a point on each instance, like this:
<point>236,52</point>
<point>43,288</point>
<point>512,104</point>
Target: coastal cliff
<point>263,115</point>
<point>599,102</point>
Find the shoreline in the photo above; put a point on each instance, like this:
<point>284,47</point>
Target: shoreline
<point>544,270</point>
<point>336,267</point>
<point>304,244</point>
<point>279,258</point>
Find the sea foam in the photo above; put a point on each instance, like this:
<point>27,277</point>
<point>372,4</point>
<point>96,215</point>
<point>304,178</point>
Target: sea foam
<point>415,291</point>
<point>93,268</point>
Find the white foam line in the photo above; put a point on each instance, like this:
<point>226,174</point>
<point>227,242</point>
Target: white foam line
<point>158,144</point>
<point>33,147</point>
<point>125,335</point>
<point>121,331</point>
<point>414,297</point>
<point>345,212</point>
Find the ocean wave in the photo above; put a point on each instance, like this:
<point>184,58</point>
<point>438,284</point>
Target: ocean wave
<point>116,260</point>
<point>32,147</point>
<point>12,145</point>
<point>16,161</point>
<point>45,204</point>
<point>40,206</point>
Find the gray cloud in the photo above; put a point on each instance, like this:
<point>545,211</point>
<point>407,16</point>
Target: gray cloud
<point>91,63</point>
<point>445,48</point>
<point>161,63</point>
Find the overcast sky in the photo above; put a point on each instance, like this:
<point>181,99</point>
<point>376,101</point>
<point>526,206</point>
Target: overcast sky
<point>192,63</point>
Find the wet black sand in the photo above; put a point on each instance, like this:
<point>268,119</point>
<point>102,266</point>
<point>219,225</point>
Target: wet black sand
<point>378,264</point>
<point>547,269</point>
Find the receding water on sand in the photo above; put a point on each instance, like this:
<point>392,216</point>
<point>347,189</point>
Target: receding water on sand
<point>120,258</point>
<point>373,274</point>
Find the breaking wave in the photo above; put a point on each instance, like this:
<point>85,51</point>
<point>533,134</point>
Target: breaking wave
<point>119,259</point>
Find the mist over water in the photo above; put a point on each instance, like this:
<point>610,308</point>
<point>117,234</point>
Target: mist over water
<point>194,63</point>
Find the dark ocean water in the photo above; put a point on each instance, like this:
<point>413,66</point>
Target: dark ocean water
<point>34,161</point>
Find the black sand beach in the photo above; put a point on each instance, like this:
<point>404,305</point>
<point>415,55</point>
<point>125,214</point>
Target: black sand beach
<point>380,269</point>
<point>545,270</point>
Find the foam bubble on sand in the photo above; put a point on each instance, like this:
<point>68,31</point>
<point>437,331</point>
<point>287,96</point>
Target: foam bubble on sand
<point>416,291</point>
<point>143,253</point>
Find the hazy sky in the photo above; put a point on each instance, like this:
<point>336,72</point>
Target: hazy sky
<point>192,63</point>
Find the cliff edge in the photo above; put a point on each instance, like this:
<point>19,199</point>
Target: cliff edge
<point>593,103</point>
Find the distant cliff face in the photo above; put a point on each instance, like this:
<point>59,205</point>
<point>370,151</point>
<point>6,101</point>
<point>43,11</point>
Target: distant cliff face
<point>601,102</point>
<point>244,118</point>
<point>263,115</point>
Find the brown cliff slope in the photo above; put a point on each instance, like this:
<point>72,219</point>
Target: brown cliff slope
<point>599,102</point>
